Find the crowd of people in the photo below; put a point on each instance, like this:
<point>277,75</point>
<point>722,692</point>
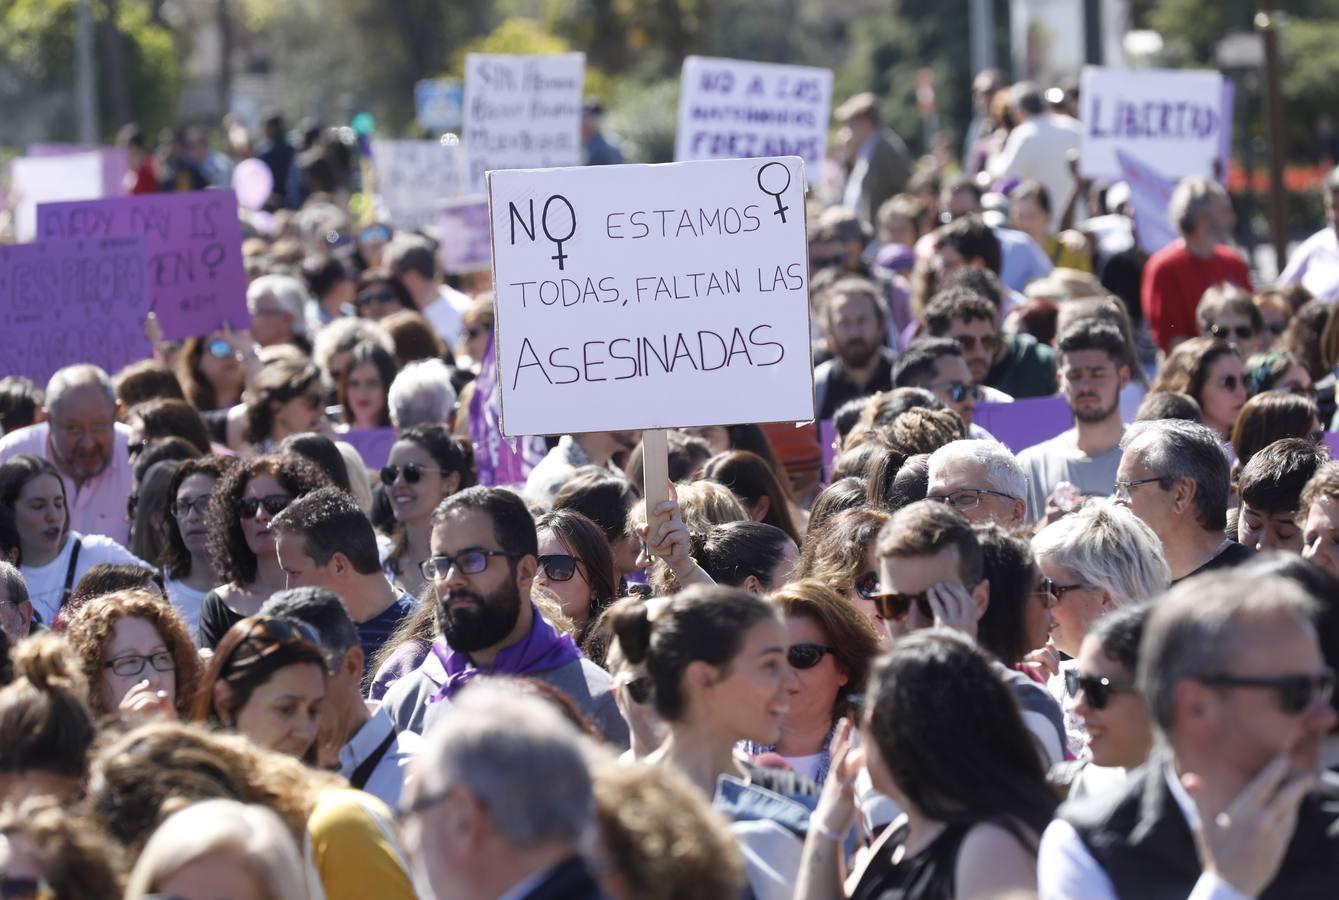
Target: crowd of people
<point>238,661</point>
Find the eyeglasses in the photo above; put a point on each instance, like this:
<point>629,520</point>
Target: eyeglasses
<point>371,298</point>
<point>266,636</point>
<point>806,655</point>
<point>867,585</point>
<point>219,348</point>
<point>957,391</point>
<point>469,562</point>
<point>198,505</point>
<point>475,332</point>
<point>1123,488</point>
<point>989,342</point>
<point>273,504</point>
<point>558,566</point>
<point>1097,689</point>
<point>894,607</point>
<point>1240,332</point>
<point>132,664</point>
<point>1058,591</point>
<point>639,689</point>
<point>412,473</point>
<point>79,432</point>
<point>967,498</point>
<point>1296,692</point>
<point>12,888</point>
<point>1046,593</point>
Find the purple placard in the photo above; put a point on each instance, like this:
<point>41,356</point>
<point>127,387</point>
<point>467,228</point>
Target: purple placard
<point>466,241</point>
<point>827,436</point>
<point>1022,423</point>
<point>372,444</point>
<point>1332,441</point>
<point>193,242</point>
<point>76,301</point>
<point>114,162</point>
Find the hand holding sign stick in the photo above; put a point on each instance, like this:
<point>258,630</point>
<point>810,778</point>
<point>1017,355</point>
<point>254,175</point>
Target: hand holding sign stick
<point>665,535</point>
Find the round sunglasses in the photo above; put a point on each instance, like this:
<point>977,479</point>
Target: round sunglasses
<point>806,655</point>
<point>272,504</point>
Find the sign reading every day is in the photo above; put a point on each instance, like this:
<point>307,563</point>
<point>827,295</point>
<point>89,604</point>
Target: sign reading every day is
<point>651,296</point>
<point>730,108</point>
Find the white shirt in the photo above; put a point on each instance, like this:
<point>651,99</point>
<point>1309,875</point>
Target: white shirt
<point>1036,150</point>
<point>187,600</point>
<point>1066,870</point>
<point>47,583</point>
<point>388,778</point>
<point>445,314</point>
<point>1315,265</point>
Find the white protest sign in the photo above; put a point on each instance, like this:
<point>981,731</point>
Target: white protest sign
<point>1171,120</point>
<point>414,179</point>
<point>46,179</point>
<point>633,297</point>
<point>730,109</point>
<point>521,112</point>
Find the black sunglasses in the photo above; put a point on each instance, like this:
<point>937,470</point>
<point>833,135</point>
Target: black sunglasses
<point>806,655</point>
<point>1240,332</point>
<point>273,504</point>
<point>558,566</point>
<point>1296,692</point>
<point>412,473</point>
<point>895,606</point>
<point>1097,689</point>
<point>368,298</point>
<point>957,391</point>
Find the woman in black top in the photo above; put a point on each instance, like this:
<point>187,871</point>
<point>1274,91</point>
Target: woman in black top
<point>942,738</point>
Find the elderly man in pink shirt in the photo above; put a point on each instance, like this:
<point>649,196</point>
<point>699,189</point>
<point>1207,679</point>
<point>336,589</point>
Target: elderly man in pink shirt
<point>87,445</point>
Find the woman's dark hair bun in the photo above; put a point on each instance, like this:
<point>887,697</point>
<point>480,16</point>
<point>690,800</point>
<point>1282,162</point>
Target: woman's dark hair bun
<point>630,622</point>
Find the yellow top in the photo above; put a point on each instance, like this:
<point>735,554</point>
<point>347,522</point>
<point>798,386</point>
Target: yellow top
<point>354,848</point>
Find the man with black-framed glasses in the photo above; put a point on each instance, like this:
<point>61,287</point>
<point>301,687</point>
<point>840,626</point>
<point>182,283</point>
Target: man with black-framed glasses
<point>1231,803</point>
<point>981,480</point>
<point>484,557</point>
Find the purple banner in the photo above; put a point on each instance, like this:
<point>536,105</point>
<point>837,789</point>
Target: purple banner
<point>1021,424</point>
<point>193,242</point>
<point>497,461</point>
<point>77,301</point>
<point>372,444</point>
<point>827,436</point>
<point>466,241</point>
<point>1150,198</point>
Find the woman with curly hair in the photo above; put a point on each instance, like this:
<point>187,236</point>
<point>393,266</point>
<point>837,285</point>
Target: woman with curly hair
<point>240,542</point>
<point>189,569</point>
<point>349,839</point>
<point>46,851</point>
<point>1209,370</point>
<point>137,655</point>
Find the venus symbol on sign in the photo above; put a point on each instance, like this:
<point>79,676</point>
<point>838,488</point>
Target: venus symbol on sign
<point>770,183</point>
<point>552,221</point>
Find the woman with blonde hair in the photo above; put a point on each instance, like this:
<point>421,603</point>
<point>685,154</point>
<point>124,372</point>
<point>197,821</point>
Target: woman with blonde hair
<point>46,851</point>
<point>219,848</point>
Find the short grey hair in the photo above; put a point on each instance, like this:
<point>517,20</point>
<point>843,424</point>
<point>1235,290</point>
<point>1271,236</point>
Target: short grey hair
<point>345,333</point>
<point>77,376</point>
<point>1003,472</point>
<point>290,293</point>
<point>421,394</point>
<point>1177,449</point>
<point>16,589</point>
<point>1198,628</point>
<point>1109,547</point>
<point>520,757</point>
<point>1193,197</point>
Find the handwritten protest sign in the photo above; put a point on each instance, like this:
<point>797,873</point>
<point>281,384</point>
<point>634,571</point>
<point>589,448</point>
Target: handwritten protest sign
<point>415,178</point>
<point>193,242</point>
<point>730,109</point>
<point>466,242</point>
<point>521,112</point>
<point>1150,198</point>
<point>1022,423</point>
<point>1171,120</point>
<point>634,297</point>
<point>72,301</point>
<point>42,179</point>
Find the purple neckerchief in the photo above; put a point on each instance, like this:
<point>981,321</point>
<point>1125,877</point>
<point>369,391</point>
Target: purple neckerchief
<point>542,650</point>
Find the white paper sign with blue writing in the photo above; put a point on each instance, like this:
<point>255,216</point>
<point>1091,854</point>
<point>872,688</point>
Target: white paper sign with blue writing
<point>521,112</point>
<point>1169,119</point>
<point>729,109</point>
<point>415,179</point>
<point>651,296</point>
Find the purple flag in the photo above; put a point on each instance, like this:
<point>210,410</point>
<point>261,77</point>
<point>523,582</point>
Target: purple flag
<point>78,301</point>
<point>372,444</point>
<point>194,246</point>
<point>497,460</point>
<point>1151,197</point>
<point>1022,423</point>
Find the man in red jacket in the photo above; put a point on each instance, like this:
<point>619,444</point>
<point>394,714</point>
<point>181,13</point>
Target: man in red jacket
<point>1177,276</point>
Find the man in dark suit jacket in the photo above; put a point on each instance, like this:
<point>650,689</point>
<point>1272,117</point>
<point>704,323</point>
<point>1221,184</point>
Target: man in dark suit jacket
<point>500,799</point>
<point>880,163</point>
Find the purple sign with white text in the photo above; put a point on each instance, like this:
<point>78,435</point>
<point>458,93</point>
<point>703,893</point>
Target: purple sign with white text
<point>77,301</point>
<point>193,244</point>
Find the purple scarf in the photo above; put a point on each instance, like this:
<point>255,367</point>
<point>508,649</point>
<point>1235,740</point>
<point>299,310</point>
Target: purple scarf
<point>542,650</point>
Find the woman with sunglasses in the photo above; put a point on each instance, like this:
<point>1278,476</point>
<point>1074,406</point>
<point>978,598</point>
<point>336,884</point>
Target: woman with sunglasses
<point>266,681</point>
<point>831,649</point>
<point>137,655</point>
<point>240,542</point>
<point>212,371</point>
<point>284,398</point>
<point>971,786</point>
<point>54,556</point>
<point>1209,370</point>
<point>841,556</point>
<point>380,295</point>
<point>425,466</point>
<point>575,563</point>
<point>362,389</point>
<point>1228,313</point>
<point>187,565</point>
